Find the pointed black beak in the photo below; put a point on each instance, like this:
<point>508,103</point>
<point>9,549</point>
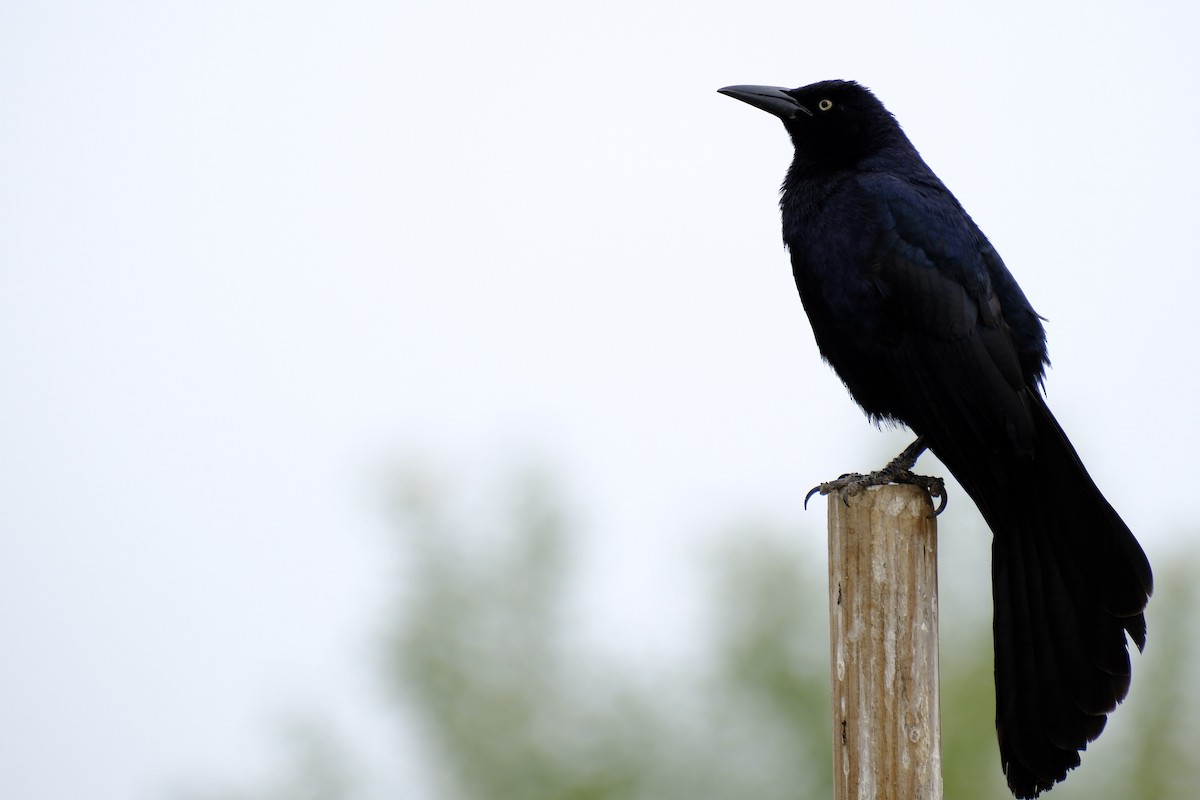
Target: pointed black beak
<point>772,99</point>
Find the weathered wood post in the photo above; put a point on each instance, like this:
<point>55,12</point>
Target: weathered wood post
<point>883,630</point>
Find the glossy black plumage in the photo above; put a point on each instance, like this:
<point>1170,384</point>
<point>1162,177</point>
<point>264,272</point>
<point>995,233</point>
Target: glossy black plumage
<point>919,317</point>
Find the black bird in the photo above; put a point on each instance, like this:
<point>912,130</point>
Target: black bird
<point>919,317</point>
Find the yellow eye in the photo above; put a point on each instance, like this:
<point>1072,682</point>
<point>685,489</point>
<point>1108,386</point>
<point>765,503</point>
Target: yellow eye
<point>825,104</point>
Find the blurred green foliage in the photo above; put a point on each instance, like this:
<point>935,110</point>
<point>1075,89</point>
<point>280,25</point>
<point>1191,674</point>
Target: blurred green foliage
<point>511,709</point>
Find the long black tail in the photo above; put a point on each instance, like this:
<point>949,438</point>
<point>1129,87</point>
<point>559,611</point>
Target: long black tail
<point>1069,581</point>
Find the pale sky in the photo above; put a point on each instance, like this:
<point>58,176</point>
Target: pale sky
<point>254,254</point>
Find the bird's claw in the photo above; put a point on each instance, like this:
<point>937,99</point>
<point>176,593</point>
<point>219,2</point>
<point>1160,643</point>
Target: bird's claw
<point>853,483</point>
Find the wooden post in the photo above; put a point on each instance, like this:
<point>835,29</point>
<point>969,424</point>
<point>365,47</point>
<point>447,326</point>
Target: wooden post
<point>883,630</point>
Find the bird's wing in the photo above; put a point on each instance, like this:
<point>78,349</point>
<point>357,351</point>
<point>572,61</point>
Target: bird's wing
<point>951,353</point>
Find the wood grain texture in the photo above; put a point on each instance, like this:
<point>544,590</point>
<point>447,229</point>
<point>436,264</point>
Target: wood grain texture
<point>883,623</point>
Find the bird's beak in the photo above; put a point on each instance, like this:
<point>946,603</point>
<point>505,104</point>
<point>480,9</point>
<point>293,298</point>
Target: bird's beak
<point>772,99</point>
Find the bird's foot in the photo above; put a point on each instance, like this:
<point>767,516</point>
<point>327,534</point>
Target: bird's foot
<point>854,483</point>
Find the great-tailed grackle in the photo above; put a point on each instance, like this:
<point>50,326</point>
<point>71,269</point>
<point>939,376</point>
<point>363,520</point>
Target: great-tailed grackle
<point>919,317</point>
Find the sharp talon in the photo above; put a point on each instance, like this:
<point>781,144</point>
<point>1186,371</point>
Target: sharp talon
<point>943,498</point>
<point>851,483</point>
<point>811,492</point>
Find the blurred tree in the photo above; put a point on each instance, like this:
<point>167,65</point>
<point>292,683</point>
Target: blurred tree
<point>512,711</point>
<point>478,649</point>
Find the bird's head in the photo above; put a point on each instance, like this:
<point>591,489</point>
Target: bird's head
<point>832,123</point>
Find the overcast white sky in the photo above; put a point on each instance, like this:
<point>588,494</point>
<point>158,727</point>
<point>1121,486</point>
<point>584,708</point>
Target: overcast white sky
<point>253,253</point>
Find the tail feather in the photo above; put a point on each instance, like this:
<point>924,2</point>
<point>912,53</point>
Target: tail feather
<point>1118,572</point>
<point>1024,696</point>
<point>1069,582</point>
